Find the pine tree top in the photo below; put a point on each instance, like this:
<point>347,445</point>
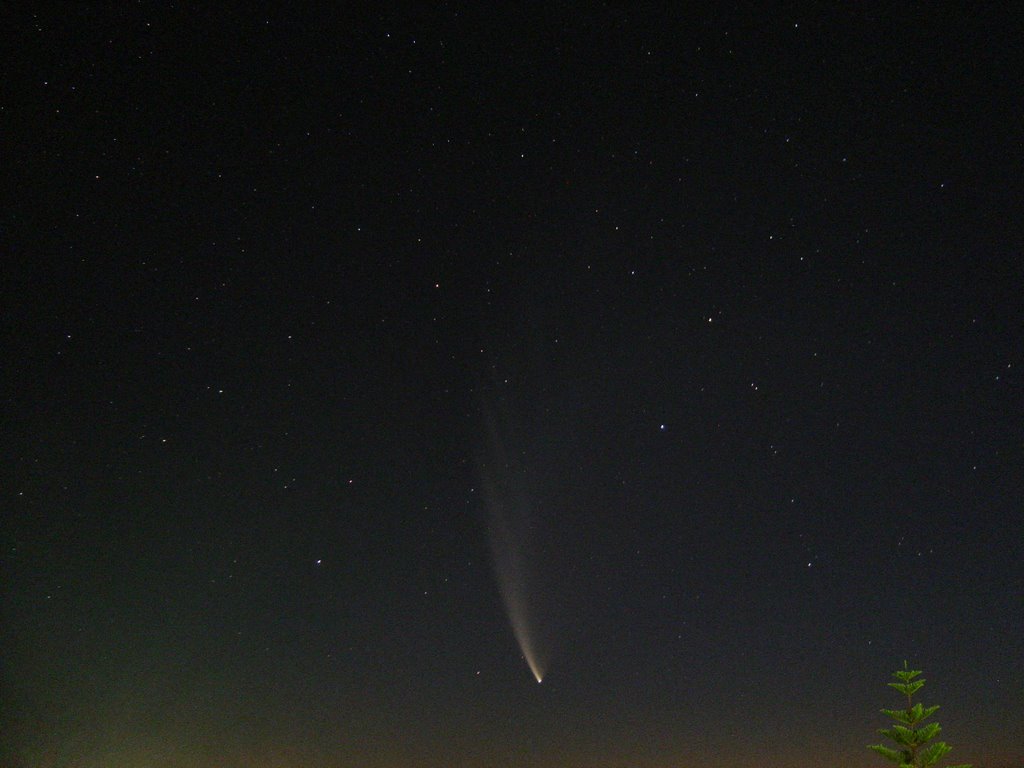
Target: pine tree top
<point>913,749</point>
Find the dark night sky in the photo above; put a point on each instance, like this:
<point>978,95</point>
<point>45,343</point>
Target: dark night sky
<point>716,316</point>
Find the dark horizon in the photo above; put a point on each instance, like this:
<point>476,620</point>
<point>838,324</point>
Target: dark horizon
<point>362,368</point>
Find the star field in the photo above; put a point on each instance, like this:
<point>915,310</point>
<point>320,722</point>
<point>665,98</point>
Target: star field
<point>711,318</point>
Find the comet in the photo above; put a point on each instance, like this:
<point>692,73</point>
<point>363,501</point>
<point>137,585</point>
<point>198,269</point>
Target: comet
<point>506,485</point>
<point>513,582</point>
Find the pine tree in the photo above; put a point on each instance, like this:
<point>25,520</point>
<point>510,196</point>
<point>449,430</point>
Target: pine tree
<point>913,749</point>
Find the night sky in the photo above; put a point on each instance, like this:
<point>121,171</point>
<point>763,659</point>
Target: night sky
<point>359,367</point>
